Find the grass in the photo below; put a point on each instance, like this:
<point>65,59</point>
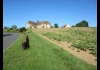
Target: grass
<point>42,55</point>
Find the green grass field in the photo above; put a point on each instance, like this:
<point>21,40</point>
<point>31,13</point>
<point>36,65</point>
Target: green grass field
<point>42,55</point>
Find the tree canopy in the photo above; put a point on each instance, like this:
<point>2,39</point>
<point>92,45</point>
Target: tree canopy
<point>6,27</point>
<point>56,25</point>
<point>14,27</point>
<point>22,29</point>
<point>83,23</point>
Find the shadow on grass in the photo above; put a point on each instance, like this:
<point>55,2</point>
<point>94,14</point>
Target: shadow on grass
<point>7,35</point>
<point>28,46</point>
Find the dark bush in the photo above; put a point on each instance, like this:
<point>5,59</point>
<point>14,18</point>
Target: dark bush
<point>22,29</point>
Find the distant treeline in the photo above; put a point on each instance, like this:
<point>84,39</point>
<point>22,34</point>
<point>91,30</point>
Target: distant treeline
<point>14,29</point>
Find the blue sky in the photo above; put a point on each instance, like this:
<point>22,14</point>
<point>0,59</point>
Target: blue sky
<point>18,12</point>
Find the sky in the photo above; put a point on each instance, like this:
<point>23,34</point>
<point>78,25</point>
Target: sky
<point>19,12</point>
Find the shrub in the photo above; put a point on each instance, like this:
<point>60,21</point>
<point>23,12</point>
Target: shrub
<point>22,29</point>
<point>8,30</point>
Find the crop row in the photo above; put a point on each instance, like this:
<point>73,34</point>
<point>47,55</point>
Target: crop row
<point>82,40</point>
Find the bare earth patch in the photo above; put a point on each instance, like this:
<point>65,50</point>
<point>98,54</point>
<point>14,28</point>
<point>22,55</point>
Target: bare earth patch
<point>89,58</point>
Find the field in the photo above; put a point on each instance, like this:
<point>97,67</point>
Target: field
<point>81,39</point>
<point>42,55</point>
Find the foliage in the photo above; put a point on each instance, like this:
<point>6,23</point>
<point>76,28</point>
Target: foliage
<point>10,28</point>
<point>22,29</point>
<point>28,30</point>
<point>17,30</point>
<point>14,27</point>
<point>56,25</point>
<point>6,27</point>
<point>82,24</point>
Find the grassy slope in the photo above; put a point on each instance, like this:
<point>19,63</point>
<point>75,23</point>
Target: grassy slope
<point>42,55</point>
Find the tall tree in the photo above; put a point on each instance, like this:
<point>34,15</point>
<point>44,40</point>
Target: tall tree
<point>83,23</point>
<point>56,25</point>
<point>14,27</point>
<point>5,27</point>
<point>22,29</point>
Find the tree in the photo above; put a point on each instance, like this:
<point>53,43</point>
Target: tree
<point>14,27</point>
<point>6,27</point>
<point>10,29</point>
<point>22,29</point>
<point>83,23</point>
<point>56,25</point>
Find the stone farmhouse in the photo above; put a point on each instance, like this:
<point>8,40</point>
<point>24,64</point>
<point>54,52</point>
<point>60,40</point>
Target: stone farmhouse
<point>39,24</point>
